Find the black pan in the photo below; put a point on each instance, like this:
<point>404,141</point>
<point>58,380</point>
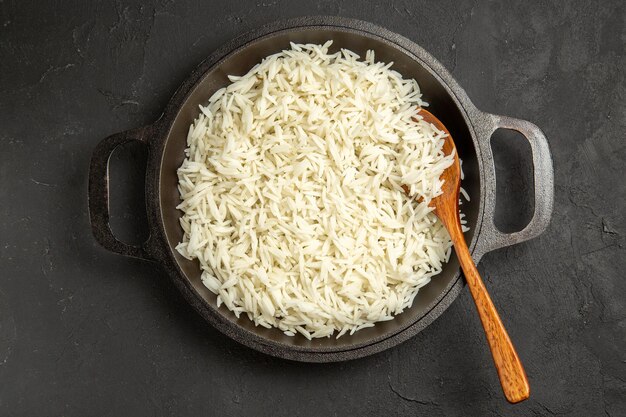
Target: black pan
<point>166,140</point>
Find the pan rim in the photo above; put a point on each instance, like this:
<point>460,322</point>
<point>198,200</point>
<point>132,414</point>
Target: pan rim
<point>161,243</point>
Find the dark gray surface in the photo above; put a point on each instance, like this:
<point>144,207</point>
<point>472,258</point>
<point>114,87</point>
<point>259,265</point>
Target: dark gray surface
<point>85,332</point>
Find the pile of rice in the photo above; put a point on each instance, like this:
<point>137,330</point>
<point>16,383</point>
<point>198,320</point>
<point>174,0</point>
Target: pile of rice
<point>292,193</point>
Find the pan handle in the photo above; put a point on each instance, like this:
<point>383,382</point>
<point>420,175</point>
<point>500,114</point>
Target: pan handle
<point>491,237</point>
<point>99,193</point>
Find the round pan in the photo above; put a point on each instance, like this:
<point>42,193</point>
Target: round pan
<point>166,141</point>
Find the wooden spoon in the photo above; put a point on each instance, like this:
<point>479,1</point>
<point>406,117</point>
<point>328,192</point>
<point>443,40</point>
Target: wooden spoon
<point>510,370</point>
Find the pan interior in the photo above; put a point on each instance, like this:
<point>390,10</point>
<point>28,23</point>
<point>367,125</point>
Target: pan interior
<point>442,104</point>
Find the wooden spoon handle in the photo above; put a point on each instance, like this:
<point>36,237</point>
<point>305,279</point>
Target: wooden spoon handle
<point>510,369</point>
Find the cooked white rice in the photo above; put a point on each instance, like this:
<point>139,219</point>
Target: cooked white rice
<point>292,198</point>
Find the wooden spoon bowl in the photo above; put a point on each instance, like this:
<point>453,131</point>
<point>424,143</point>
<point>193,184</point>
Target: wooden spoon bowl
<point>446,207</point>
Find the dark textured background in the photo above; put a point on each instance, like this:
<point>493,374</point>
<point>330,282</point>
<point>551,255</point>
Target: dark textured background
<point>88,333</point>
